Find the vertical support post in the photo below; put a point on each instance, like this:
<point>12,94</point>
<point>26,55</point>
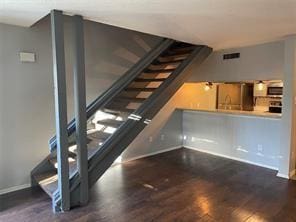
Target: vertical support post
<point>57,30</point>
<point>288,140</point>
<point>80,107</point>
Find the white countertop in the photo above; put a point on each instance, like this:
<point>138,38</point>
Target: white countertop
<point>237,112</point>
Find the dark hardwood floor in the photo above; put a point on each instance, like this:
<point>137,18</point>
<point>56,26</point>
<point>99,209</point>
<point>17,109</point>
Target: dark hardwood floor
<point>181,185</point>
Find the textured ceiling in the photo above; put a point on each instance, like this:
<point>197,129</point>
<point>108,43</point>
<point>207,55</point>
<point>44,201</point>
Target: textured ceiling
<point>217,23</point>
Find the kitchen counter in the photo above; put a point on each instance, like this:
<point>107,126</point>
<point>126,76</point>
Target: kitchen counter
<point>237,112</point>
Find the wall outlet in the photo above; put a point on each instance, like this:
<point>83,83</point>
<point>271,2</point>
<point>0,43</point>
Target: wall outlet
<point>150,139</point>
<point>162,137</point>
<point>260,147</point>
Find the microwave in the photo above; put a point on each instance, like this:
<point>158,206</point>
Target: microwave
<point>274,91</point>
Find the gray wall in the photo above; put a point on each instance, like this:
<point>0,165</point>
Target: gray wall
<point>258,62</point>
<point>162,134</point>
<point>26,96</point>
<point>26,102</point>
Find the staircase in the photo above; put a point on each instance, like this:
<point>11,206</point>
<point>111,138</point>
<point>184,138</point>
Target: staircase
<point>117,116</point>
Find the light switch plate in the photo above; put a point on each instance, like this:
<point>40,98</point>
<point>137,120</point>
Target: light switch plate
<point>27,57</point>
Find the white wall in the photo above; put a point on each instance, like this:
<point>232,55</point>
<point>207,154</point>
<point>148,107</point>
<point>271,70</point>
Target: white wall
<point>250,139</point>
<point>26,89</point>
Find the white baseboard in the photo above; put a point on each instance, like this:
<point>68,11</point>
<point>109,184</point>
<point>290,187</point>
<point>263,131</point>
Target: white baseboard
<point>283,175</point>
<point>152,154</point>
<point>15,188</point>
<point>292,173</point>
<point>231,157</point>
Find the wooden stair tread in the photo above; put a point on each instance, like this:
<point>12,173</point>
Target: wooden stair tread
<point>72,166</point>
<point>96,139</point>
<point>183,49</point>
<point>172,57</point>
<point>176,53</point>
<point>155,71</point>
<point>72,140</point>
<point>130,99</point>
<point>150,80</point>
<point>96,143</point>
<point>117,111</point>
<point>180,51</point>
<point>98,135</point>
<point>181,44</point>
<point>172,62</point>
<point>48,181</point>
<point>121,109</point>
<point>110,122</point>
<point>110,111</point>
<point>150,89</point>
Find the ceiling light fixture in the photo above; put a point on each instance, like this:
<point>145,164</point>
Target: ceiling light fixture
<point>260,85</point>
<point>208,86</point>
